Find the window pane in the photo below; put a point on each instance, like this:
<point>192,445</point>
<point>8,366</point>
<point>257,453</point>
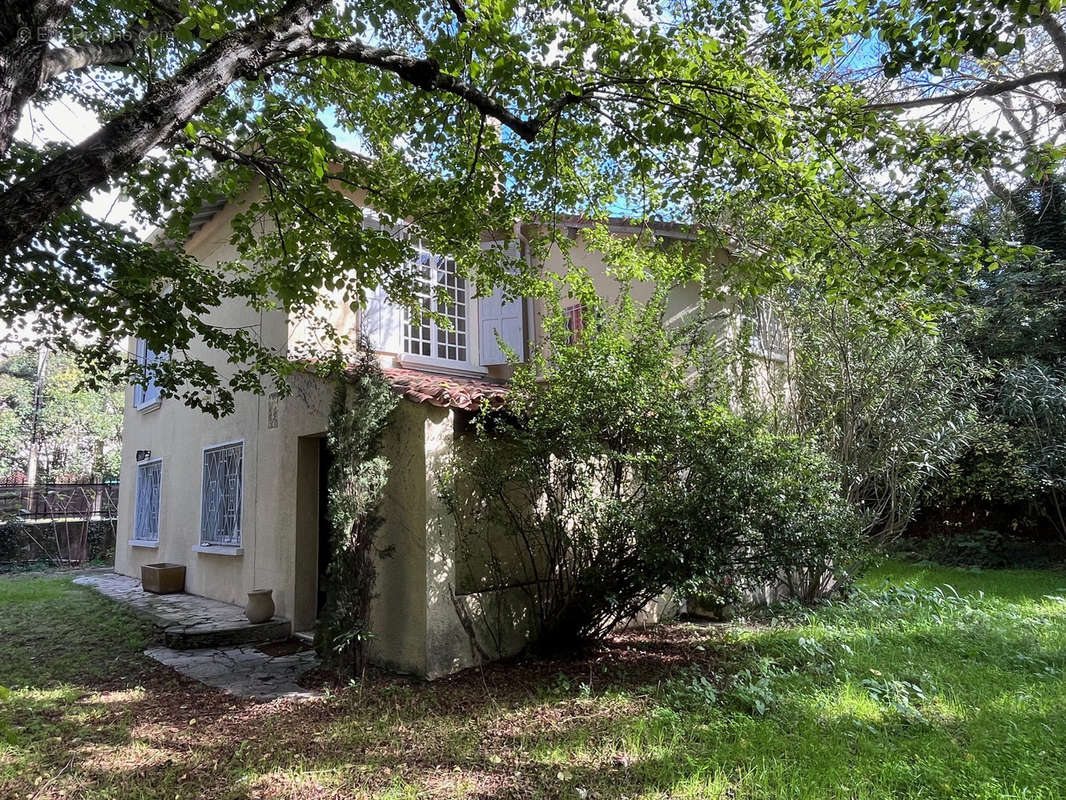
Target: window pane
<point>146,508</point>
<point>145,392</point>
<point>220,511</point>
<point>442,290</point>
<point>453,309</point>
<point>418,334</point>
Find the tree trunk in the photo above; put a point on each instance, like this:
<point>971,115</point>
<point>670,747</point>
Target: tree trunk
<point>25,30</point>
<point>32,462</point>
<point>30,205</point>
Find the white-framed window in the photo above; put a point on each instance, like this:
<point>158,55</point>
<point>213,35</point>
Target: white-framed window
<point>146,507</point>
<point>442,290</point>
<point>477,324</point>
<point>222,495</point>
<point>145,393</point>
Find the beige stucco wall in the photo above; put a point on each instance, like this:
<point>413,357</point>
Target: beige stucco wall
<point>420,625</point>
<point>398,611</point>
<point>178,435</point>
<point>683,301</point>
<point>414,619</point>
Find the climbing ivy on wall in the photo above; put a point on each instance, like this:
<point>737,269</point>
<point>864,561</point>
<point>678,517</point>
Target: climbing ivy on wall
<point>357,475</point>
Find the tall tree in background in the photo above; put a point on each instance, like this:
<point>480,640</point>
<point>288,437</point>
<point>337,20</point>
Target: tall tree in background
<point>1015,325</point>
<point>50,428</point>
<point>888,398</point>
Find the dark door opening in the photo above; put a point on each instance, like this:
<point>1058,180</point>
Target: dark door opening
<point>325,538</point>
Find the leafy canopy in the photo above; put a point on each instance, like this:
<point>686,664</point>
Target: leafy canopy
<point>76,433</point>
<point>452,119</point>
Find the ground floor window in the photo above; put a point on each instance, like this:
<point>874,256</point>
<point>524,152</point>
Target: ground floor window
<point>146,508</point>
<point>220,510</point>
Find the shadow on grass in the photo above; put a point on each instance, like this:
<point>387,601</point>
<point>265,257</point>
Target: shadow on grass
<point>616,722</point>
<point>484,735</point>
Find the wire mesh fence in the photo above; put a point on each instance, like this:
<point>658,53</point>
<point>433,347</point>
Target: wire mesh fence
<point>66,524</point>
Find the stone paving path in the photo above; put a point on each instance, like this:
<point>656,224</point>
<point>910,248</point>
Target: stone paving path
<point>188,621</point>
<point>165,609</point>
<point>243,669</point>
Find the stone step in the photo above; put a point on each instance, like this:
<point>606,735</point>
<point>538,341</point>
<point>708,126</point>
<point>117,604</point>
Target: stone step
<point>188,621</point>
<point>226,633</point>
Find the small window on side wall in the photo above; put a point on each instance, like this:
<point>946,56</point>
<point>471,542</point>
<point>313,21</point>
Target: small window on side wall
<point>146,507</point>
<point>222,496</point>
<point>575,321</point>
<point>146,392</point>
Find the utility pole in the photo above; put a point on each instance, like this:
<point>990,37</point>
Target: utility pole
<point>35,430</point>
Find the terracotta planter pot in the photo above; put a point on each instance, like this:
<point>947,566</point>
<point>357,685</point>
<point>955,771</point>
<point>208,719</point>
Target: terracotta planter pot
<point>260,606</point>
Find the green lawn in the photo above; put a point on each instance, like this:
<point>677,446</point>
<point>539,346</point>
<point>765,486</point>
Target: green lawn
<point>910,690</point>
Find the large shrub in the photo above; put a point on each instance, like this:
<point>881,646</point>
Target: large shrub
<point>763,509</point>
<point>1014,325</point>
<point>1031,398</point>
<point>617,472</point>
<point>884,396</point>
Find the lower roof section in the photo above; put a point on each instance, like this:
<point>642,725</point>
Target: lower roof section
<point>445,391</point>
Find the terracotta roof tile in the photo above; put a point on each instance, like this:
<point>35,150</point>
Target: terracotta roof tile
<point>445,391</point>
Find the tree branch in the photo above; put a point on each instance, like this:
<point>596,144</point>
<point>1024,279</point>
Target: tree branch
<point>1054,29</point>
<point>425,74</point>
<point>31,204</point>
<point>25,29</point>
<point>64,59</point>
<point>1026,134</point>
<point>986,90</point>
<point>457,8</point>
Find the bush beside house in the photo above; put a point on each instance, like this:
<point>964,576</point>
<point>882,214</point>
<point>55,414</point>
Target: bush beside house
<point>619,471</point>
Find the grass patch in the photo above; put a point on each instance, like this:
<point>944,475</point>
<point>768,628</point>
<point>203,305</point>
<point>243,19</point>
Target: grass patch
<point>55,631</point>
<point>928,683</point>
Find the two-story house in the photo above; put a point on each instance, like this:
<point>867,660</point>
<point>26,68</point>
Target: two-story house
<point>240,501</point>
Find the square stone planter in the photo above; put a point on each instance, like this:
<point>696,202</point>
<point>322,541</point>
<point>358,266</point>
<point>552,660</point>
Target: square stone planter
<point>163,578</point>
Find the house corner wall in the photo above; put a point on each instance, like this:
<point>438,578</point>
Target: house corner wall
<point>448,644</point>
<point>415,616</point>
<point>398,610</point>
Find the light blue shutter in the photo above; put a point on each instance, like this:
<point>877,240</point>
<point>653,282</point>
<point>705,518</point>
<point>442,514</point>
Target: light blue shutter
<point>382,321</point>
<point>500,317</point>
